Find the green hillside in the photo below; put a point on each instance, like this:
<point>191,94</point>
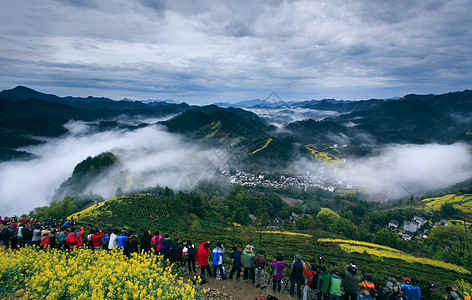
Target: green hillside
<point>203,215</point>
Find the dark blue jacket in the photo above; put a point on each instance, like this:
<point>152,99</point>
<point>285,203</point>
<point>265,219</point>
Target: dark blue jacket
<point>236,256</point>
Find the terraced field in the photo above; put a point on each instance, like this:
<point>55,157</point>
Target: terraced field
<point>460,202</point>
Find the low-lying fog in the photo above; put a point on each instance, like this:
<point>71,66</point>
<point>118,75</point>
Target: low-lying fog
<point>400,170</point>
<point>282,116</point>
<point>150,155</point>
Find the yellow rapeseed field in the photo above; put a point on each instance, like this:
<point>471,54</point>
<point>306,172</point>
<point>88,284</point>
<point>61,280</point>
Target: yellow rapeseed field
<point>383,251</point>
<point>460,202</point>
<point>85,274</point>
<point>285,232</point>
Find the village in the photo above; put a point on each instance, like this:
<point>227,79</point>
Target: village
<point>302,181</point>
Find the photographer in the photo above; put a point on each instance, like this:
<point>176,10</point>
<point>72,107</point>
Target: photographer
<point>278,265</point>
<point>260,263</point>
<point>217,255</point>
<point>350,282</point>
<point>237,264</point>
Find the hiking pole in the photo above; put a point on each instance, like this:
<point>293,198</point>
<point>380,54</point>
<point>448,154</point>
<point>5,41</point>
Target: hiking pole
<point>285,284</point>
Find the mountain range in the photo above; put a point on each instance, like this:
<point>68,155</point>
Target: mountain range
<point>27,115</point>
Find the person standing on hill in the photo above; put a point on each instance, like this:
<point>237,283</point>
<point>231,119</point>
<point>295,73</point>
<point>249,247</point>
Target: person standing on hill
<point>350,282</point>
<point>217,255</point>
<point>74,240</point>
<point>335,286</point>
<point>157,242</point>
<point>311,282</point>
<point>296,277</point>
<point>323,283</point>
<point>113,240</point>
<point>202,258</point>
<point>146,241</point>
<point>416,295</point>
<point>259,264</point>
<point>96,240</point>
<point>367,288</point>
<point>190,257</point>
<point>237,264</point>
<point>407,289</point>
<point>122,240</point>
<point>248,263</point>
<point>166,243</point>
<point>278,265</point>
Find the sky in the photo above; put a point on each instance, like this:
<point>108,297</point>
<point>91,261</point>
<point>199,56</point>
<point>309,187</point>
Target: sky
<point>208,51</point>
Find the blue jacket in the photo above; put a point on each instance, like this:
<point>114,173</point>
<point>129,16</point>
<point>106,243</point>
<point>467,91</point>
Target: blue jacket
<point>121,241</point>
<point>217,256</point>
<point>407,292</point>
<point>236,255</point>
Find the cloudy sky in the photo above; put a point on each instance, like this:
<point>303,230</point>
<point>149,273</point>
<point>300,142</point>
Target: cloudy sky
<point>208,51</point>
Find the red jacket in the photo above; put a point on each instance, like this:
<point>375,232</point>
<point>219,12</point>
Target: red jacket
<point>309,275</point>
<point>72,237</point>
<point>202,255</point>
<point>96,239</point>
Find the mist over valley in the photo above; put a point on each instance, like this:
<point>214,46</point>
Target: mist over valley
<point>177,145</point>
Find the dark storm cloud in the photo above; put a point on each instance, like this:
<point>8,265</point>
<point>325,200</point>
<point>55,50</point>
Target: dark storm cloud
<point>240,49</point>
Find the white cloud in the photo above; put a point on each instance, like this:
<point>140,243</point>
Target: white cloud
<point>222,50</point>
<point>402,170</point>
<point>150,156</point>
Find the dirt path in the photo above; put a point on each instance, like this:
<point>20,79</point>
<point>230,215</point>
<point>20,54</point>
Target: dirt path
<point>240,289</point>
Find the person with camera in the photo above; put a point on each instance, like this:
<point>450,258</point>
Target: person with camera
<point>367,288</point>
<point>217,255</point>
<point>248,263</point>
<point>278,265</point>
<point>259,264</point>
<point>202,258</point>
<point>350,282</point>
<point>311,282</point>
<point>235,255</point>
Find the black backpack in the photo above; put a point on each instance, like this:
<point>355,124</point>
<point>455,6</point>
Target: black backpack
<point>191,252</point>
<point>314,281</point>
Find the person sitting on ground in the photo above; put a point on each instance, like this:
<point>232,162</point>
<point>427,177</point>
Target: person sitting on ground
<point>278,265</point>
<point>259,265</point>
<point>235,255</point>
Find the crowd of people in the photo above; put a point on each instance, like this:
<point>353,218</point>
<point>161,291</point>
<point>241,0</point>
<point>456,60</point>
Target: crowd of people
<point>302,279</point>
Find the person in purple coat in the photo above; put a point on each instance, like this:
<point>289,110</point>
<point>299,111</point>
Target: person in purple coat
<point>278,265</point>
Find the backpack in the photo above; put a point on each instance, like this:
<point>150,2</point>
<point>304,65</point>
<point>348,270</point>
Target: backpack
<point>191,252</point>
<point>75,242</point>
<point>314,281</point>
<point>261,298</point>
<point>270,297</point>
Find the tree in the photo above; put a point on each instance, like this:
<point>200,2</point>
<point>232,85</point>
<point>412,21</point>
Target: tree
<point>305,222</point>
<point>387,238</point>
<point>327,217</point>
<point>343,226</point>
